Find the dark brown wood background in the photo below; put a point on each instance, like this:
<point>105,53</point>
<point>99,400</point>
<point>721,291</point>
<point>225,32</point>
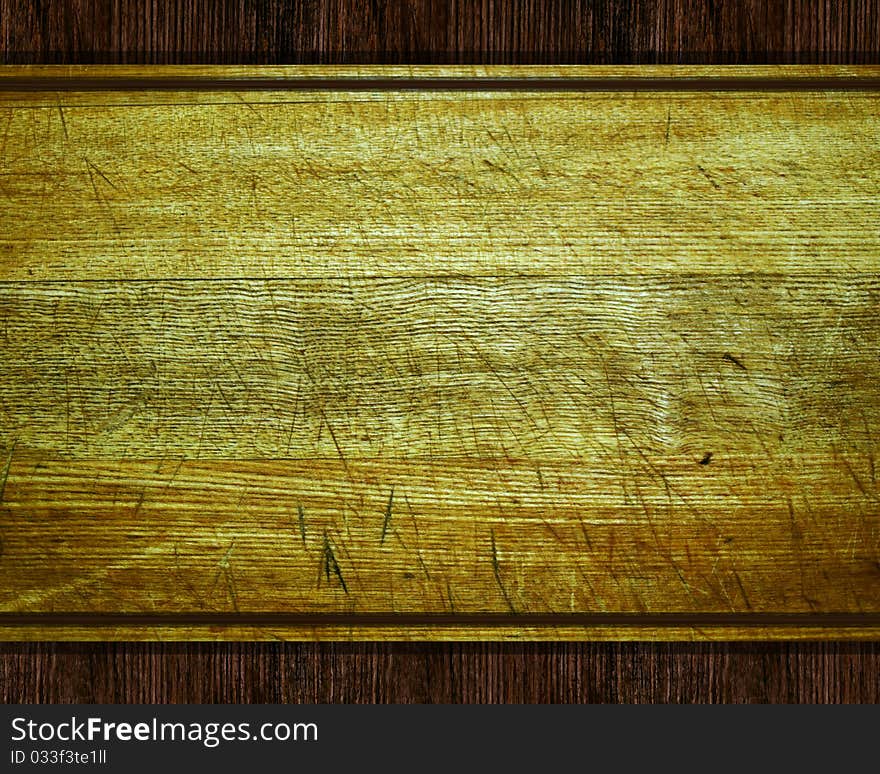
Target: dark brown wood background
<point>430,31</point>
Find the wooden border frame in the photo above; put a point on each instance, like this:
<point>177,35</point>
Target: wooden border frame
<point>440,78</point>
<point>443,78</point>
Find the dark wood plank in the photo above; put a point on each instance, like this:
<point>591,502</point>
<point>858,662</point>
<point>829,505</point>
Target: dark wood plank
<point>606,31</point>
<point>452,672</point>
<point>435,31</point>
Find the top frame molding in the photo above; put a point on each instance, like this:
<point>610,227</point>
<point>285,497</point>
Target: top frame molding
<point>440,78</point>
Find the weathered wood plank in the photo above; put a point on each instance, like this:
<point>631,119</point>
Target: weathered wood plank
<point>403,183</point>
<point>576,368</point>
<point>649,535</point>
<point>602,362</point>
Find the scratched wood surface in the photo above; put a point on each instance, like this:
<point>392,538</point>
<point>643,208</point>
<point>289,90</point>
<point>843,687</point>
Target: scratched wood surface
<point>298,359</point>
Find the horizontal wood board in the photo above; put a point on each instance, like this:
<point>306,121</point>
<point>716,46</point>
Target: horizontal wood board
<point>439,352</point>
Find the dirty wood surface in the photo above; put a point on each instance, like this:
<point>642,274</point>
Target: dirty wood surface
<point>469,31</point>
<point>307,360</point>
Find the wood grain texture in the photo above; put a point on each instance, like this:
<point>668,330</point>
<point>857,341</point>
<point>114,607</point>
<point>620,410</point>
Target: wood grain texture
<point>421,352</point>
<point>433,672</point>
<point>151,185</point>
<point>620,31</point>
<point>424,31</point>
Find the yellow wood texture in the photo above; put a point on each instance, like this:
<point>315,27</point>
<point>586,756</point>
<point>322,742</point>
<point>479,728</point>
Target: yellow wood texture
<point>429,353</point>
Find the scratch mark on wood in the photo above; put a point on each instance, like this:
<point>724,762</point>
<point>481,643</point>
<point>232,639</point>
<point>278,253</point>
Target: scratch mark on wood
<point>496,569</point>
<point>709,177</point>
<point>735,360</point>
<point>331,566</point>
<point>387,520</point>
<point>5,475</point>
<point>9,115</point>
<point>871,461</point>
<point>63,121</point>
<point>224,567</point>
<point>99,172</point>
<point>857,479</point>
<point>302,523</point>
<point>742,589</point>
<point>797,539</point>
<point>451,601</point>
<point>140,503</point>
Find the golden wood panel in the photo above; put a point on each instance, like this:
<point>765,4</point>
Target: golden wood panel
<point>439,352</point>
